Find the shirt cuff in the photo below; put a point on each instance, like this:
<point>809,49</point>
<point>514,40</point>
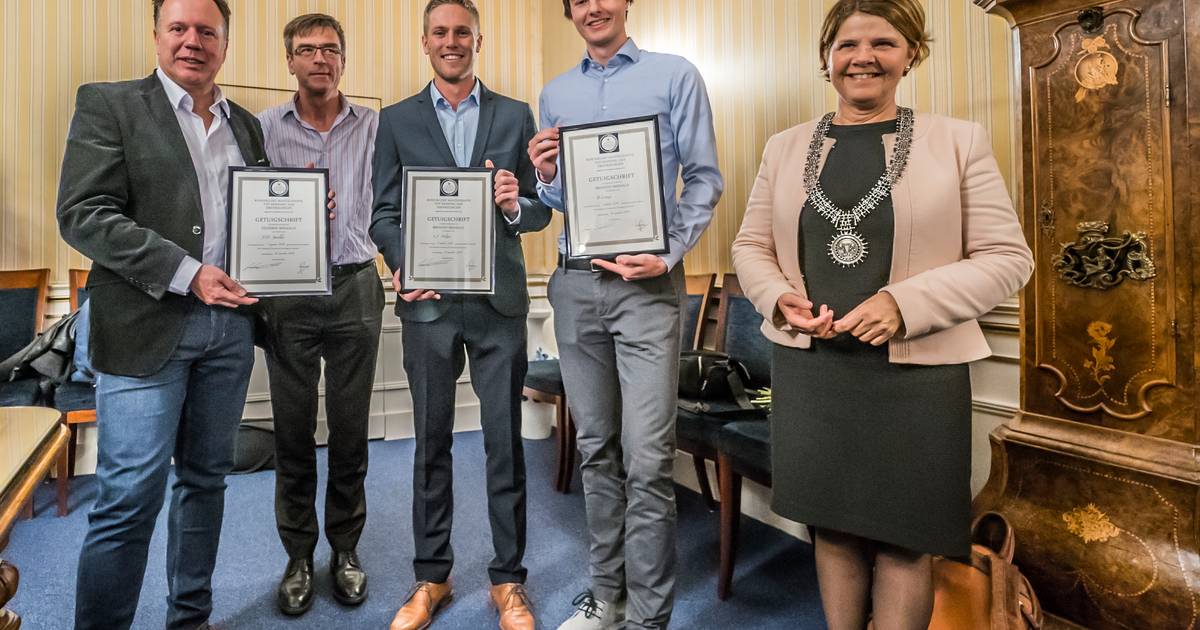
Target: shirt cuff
<point>181,283</point>
<point>671,259</point>
<point>520,206</point>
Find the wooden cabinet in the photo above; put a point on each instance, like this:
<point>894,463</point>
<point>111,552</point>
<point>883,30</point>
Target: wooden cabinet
<point>1099,471</point>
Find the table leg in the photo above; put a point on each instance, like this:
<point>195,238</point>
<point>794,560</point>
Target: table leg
<point>63,479</point>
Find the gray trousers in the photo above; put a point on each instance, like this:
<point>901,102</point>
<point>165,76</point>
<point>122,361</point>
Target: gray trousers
<point>619,347</point>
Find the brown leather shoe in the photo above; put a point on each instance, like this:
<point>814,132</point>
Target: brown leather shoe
<point>424,600</point>
<point>512,602</point>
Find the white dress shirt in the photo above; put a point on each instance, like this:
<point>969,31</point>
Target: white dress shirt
<point>213,151</point>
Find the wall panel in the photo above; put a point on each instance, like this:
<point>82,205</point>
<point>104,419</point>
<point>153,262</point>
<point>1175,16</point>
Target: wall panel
<point>760,63</point>
<point>52,46</point>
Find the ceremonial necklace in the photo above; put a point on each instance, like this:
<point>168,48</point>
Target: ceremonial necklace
<point>847,247</point>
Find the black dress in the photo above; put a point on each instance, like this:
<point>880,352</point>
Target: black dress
<point>860,445</point>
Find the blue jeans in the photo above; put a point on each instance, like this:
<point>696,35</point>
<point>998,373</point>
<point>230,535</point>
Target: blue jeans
<point>189,409</point>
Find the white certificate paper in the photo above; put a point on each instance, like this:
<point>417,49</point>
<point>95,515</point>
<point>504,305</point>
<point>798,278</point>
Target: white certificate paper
<point>449,230</point>
<point>612,186</point>
<point>279,231</point>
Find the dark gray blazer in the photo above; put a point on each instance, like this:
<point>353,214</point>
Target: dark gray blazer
<point>409,135</point>
<point>129,199</point>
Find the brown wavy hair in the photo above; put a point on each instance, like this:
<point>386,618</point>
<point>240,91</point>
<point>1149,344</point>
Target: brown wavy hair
<point>309,22</point>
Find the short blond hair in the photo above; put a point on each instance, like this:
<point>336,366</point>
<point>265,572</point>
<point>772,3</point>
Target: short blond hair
<point>466,4</point>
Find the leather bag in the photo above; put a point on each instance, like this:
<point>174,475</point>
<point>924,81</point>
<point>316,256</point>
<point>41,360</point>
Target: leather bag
<point>711,375</point>
<point>989,592</point>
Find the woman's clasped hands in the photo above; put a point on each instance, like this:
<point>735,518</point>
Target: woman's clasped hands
<point>874,321</point>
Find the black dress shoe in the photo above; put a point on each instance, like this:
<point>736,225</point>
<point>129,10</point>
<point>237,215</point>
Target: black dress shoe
<point>349,580</point>
<point>296,587</point>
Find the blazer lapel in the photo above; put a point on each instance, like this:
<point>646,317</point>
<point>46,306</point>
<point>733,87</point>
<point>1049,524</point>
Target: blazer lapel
<point>901,208</point>
<point>487,113</point>
<point>434,127</point>
<point>252,152</point>
<point>156,101</point>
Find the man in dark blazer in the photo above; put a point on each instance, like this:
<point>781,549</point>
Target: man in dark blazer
<point>456,121</point>
<point>142,194</point>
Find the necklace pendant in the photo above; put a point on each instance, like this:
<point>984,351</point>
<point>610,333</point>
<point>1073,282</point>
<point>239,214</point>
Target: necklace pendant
<point>847,248</point>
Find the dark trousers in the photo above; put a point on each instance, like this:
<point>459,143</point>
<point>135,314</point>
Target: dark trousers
<point>188,410</point>
<point>342,328</point>
<point>433,359</point>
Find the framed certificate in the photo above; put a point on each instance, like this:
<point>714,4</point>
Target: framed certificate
<point>612,188</point>
<point>278,242</point>
<point>449,230</point>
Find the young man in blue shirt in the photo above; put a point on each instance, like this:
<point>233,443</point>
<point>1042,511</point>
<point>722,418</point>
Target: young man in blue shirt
<point>618,328</point>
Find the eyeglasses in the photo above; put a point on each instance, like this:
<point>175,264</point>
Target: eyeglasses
<point>330,51</point>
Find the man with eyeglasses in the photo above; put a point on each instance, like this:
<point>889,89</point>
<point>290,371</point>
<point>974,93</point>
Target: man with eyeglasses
<point>319,126</point>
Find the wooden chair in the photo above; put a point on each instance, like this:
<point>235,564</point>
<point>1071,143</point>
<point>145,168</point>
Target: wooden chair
<point>743,451</point>
<point>742,442</point>
<point>543,384</point>
<point>691,435</point>
<point>76,401</point>
<point>23,299</point>
<point>698,318</point>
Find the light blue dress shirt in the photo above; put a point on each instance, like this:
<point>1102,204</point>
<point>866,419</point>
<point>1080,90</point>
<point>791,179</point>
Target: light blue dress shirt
<point>459,125</point>
<point>640,83</point>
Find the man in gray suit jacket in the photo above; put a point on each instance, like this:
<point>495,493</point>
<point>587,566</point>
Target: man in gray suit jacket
<point>456,121</point>
<point>142,194</point>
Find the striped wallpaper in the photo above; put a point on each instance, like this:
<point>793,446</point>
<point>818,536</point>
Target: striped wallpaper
<point>52,46</point>
<point>760,61</point>
<point>757,56</point>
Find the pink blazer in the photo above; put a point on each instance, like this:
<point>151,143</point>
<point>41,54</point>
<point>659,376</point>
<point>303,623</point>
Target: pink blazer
<point>958,249</point>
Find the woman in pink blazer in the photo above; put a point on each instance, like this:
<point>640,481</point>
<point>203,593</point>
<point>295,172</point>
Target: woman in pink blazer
<point>872,240</point>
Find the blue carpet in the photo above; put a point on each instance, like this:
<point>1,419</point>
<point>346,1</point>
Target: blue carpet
<point>775,581</point>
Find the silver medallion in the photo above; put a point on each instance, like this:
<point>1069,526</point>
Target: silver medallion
<point>847,249</point>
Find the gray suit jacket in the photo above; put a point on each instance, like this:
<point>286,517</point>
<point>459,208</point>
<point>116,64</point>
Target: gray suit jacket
<point>129,199</point>
<point>409,135</point>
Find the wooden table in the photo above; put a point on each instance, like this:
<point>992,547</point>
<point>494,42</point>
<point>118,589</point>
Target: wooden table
<point>31,439</point>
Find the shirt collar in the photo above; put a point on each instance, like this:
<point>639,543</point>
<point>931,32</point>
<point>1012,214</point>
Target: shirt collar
<point>179,97</point>
<point>628,50</point>
<point>348,109</point>
<point>440,101</point>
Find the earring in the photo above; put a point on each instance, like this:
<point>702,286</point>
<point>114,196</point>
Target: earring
<point>908,69</point>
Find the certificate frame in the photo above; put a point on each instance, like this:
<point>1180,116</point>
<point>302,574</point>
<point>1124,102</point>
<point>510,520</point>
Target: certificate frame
<point>279,244</point>
<point>428,202</point>
<point>645,201</point>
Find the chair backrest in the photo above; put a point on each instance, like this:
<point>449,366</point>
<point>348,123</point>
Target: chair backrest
<point>23,294</point>
<point>78,282</point>
<point>700,290</point>
<point>739,334</point>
